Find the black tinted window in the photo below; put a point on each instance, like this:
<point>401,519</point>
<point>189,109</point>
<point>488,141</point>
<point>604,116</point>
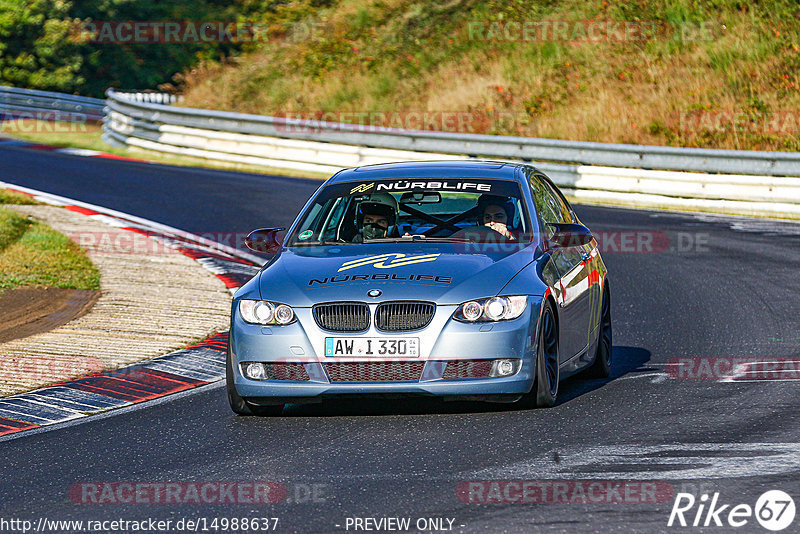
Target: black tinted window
<point>550,207</point>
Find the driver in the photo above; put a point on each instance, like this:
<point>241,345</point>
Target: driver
<point>496,212</point>
<point>375,216</point>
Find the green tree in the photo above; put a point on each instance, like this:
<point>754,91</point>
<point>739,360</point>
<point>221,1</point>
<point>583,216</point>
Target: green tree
<point>145,65</point>
<point>42,45</point>
<point>35,47</point>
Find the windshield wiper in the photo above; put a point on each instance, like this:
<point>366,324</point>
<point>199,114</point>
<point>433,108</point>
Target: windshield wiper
<point>416,239</point>
<point>308,243</point>
<point>320,243</point>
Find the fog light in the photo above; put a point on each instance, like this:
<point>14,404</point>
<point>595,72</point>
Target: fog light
<point>254,371</point>
<point>502,368</point>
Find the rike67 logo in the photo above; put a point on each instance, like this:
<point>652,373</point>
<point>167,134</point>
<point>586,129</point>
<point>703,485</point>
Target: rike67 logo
<point>774,510</point>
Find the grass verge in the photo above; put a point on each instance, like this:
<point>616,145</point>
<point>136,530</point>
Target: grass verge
<point>34,255</point>
<point>695,73</point>
<point>11,197</point>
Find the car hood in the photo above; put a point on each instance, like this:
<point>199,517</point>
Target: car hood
<point>445,273</point>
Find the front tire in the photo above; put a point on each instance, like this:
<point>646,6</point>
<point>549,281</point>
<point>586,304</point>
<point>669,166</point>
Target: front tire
<point>601,368</point>
<point>545,388</point>
<point>238,404</point>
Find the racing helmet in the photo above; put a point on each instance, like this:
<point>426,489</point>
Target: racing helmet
<point>378,204</point>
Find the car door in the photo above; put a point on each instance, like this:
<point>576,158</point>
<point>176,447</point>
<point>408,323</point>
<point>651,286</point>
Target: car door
<point>572,266</point>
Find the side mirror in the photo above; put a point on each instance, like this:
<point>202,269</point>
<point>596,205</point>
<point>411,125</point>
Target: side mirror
<point>570,235</point>
<point>264,240</point>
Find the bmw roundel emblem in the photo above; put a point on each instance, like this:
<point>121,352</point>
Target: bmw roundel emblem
<point>374,293</point>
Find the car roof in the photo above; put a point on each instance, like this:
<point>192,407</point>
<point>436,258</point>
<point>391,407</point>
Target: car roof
<point>432,169</point>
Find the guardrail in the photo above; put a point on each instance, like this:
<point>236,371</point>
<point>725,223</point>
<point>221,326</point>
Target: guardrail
<point>753,183</point>
<point>764,183</point>
<point>46,105</point>
<point>522,148</point>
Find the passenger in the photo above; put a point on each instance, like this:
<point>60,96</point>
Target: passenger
<point>497,213</point>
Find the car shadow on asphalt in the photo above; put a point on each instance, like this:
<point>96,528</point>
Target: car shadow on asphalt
<point>625,360</point>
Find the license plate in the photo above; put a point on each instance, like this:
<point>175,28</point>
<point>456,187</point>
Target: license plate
<point>372,346</point>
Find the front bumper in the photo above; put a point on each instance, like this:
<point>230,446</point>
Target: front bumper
<point>443,341</point>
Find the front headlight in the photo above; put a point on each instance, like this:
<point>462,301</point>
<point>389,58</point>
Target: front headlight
<point>491,309</point>
<point>265,312</point>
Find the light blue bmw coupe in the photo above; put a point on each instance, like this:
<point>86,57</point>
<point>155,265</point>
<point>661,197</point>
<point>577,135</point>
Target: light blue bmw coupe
<point>466,280</point>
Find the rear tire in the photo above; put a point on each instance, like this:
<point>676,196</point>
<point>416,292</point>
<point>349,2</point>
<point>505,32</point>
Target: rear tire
<point>601,368</point>
<point>238,404</point>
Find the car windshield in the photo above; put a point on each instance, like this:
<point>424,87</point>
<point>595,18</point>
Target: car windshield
<point>418,209</point>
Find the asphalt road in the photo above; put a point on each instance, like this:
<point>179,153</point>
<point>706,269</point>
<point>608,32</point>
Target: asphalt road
<point>724,288</point>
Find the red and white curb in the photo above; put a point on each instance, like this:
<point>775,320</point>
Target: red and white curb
<point>84,152</point>
<point>189,368</point>
<point>194,366</point>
